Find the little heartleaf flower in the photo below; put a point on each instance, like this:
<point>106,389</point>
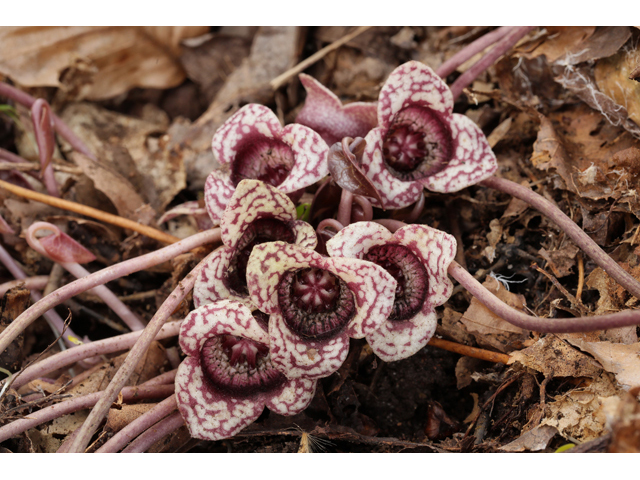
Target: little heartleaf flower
<point>254,145</point>
<point>323,112</point>
<point>256,213</point>
<point>417,256</point>
<point>315,304</point>
<point>420,143</point>
<point>228,377</point>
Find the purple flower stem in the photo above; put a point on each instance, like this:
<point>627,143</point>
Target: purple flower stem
<point>501,47</point>
<point>63,130</point>
<point>365,214</point>
<point>417,209</point>
<point>81,352</point>
<point>41,116</point>
<point>119,308</point>
<point>101,277</point>
<point>548,325</point>
<point>344,210</point>
<point>37,282</point>
<point>101,408</point>
<point>391,224</point>
<point>568,226</point>
<point>139,425</point>
<point>51,316</point>
<point>470,50</point>
<point>155,433</point>
<point>13,158</point>
<point>34,419</point>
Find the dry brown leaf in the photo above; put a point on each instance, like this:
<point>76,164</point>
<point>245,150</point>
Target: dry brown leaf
<point>561,261</point>
<point>554,358</point>
<point>625,431</point>
<point>493,237</point>
<point>489,329</point>
<point>50,437</point>
<point>612,77</point>
<point>118,418</point>
<point>558,42</point>
<point>533,440</point>
<point>97,62</point>
<point>621,360</point>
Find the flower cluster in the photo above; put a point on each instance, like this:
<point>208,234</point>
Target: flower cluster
<point>273,315</point>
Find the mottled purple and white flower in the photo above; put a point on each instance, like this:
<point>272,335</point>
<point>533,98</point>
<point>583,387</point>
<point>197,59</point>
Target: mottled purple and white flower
<point>228,377</point>
<point>420,143</point>
<point>257,213</point>
<point>315,305</point>
<point>418,257</point>
<point>323,112</point>
<point>254,145</point>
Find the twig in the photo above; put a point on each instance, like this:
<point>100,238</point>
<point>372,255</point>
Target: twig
<point>282,78</point>
<point>89,212</point>
<point>469,351</point>
<point>37,282</point>
<point>33,167</point>
<point>580,278</point>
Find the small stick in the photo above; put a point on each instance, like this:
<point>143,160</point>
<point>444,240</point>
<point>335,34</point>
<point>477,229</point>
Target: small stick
<point>282,78</point>
<point>89,212</point>
<point>580,277</point>
<point>469,351</point>
<point>32,283</point>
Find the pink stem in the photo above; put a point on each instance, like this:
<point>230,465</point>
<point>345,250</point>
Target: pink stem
<point>37,282</point>
<point>548,325</point>
<point>155,433</point>
<point>65,132</point>
<point>119,308</point>
<point>102,276</point>
<point>344,210</point>
<point>51,316</point>
<point>139,425</point>
<point>79,403</point>
<point>470,50</point>
<point>501,47</point>
<point>568,226</point>
<point>41,116</point>
<point>135,355</point>
<point>367,210</point>
<point>100,347</point>
<point>391,224</point>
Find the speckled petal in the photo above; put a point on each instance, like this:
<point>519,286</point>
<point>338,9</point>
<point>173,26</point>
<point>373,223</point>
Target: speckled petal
<point>294,398</point>
<point>218,190</point>
<point>251,201</point>
<point>268,263</point>
<point>305,234</point>
<point>210,286</point>
<point>436,250</point>
<point>302,358</point>
<point>208,414</point>
<point>396,340</point>
<point>373,288</point>
<point>412,83</point>
<point>222,318</point>
<point>394,192</point>
<point>310,152</point>
<point>472,162</point>
<point>323,112</point>
<point>250,123</point>
<point>354,240</point>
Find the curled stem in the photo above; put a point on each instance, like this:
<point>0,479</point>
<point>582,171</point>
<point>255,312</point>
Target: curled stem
<point>135,355</point>
<point>548,325</point>
<point>568,226</point>
<point>103,276</point>
<point>344,210</point>
<point>139,425</point>
<point>501,47</point>
<point>470,50</point>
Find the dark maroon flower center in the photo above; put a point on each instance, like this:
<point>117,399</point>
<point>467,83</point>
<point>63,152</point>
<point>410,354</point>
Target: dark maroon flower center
<point>418,143</point>
<point>315,303</point>
<point>267,160</point>
<point>409,272</point>
<point>259,231</point>
<point>239,366</point>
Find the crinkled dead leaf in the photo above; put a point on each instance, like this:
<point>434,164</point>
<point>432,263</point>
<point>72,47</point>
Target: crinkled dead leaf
<point>533,440</point>
<point>561,261</point>
<point>49,438</point>
<point>120,417</point>
<point>97,62</point>
<point>493,237</point>
<point>583,413</point>
<point>612,77</point>
<point>489,329</point>
<point>555,358</point>
<point>556,43</point>
<point>617,358</point>
<point>12,304</point>
<point>625,431</point>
